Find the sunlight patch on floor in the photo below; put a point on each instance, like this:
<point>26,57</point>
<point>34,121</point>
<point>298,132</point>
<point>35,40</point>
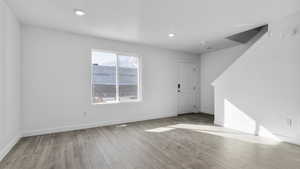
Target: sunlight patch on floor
<point>237,125</point>
<point>218,131</point>
<point>160,129</point>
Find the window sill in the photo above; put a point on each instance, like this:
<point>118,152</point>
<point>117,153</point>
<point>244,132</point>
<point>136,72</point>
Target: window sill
<point>117,102</point>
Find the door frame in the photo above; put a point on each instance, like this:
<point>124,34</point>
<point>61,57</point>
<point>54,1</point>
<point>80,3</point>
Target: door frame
<point>197,94</point>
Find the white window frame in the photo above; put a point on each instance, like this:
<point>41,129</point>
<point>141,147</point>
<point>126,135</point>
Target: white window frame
<point>139,76</point>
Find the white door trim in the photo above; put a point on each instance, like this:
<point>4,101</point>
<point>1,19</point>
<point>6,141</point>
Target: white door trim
<point>196,105</point>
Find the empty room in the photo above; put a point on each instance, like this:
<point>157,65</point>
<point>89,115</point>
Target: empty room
<point>149,84</point>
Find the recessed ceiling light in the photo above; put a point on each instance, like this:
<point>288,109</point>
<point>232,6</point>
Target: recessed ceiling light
<point>171,35</point>
<point>79,12</point>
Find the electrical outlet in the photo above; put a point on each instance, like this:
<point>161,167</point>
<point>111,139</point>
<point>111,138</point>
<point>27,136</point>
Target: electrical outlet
<point>289,122</point>
<point>295,31</point>
<point>84,114</point>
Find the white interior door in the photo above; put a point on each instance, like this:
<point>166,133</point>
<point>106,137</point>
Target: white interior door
<point>187,88</point>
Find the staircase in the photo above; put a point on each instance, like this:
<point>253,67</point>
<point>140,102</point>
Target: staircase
<point>260,92</point>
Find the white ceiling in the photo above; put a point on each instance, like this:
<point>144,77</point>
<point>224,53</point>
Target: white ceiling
<point>150,21</point>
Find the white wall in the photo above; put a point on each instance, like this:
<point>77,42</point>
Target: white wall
<point>9,79</point>
<point>260,91</point>
<point>212,65</point>
<point>56,82</point>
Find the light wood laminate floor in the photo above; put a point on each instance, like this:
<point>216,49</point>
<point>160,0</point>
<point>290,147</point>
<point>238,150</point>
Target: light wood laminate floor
<point>184,142</point>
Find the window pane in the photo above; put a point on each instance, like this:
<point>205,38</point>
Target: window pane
<point>103,77</point>
<point>128,77</point>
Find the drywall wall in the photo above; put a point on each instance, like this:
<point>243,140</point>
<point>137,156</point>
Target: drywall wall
<point>9,79</point>
<point>259,93</point>
<point>212,65</point>
<point>56,88</point>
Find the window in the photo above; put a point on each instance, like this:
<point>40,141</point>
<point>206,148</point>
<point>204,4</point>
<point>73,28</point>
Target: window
<point>115,77</point>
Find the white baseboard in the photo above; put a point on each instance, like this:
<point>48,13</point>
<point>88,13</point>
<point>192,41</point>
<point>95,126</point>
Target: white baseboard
<point>217,123</point>
<point>292,140</point>
<point>89,125</point>
<point>107,123</point>
<point>206,113</point>
<point>9,146</point>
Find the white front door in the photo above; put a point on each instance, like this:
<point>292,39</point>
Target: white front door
<point>187,88</point>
